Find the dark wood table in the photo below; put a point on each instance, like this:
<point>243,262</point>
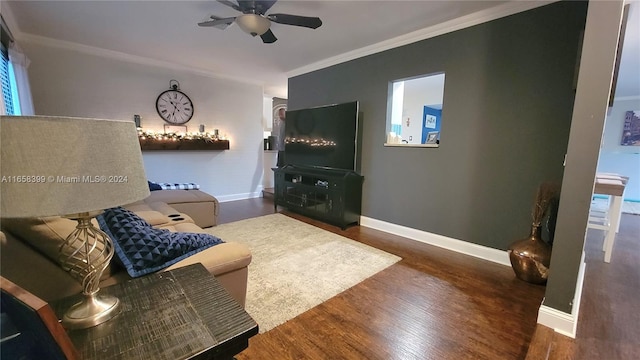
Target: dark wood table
<point>179,314</point>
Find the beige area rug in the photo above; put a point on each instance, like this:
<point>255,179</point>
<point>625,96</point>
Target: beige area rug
<point>297,266</point>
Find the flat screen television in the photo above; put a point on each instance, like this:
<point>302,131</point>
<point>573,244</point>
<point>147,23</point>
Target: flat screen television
<point>325,136</point>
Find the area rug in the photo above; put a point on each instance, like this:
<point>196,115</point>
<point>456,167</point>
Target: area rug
<point>297,266</point>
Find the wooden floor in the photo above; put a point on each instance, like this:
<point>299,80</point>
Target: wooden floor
<point>437,304</point>
<point>609,319</point>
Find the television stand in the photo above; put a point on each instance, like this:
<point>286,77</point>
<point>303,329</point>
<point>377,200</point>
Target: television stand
<point>326,194</point>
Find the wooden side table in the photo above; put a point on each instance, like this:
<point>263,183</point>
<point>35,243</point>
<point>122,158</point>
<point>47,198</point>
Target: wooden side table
<point>179,314</point>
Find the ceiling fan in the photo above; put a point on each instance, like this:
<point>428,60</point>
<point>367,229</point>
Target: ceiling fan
<point>254,21</point>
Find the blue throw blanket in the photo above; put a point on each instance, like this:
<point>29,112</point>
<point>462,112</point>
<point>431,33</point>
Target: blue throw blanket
<point>143,249</point>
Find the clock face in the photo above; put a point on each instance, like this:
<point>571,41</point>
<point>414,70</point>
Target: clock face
<point>174,107</point>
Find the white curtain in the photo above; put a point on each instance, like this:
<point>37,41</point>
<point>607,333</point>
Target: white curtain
<point>20,63</point>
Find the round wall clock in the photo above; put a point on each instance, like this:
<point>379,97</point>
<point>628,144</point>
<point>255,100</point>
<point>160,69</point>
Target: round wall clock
<point>174,106</point>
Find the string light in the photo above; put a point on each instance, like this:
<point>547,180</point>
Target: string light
<point>310,142</point>
<point>151,135</point>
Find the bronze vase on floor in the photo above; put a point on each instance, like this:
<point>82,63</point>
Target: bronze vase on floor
<point>530,257</point>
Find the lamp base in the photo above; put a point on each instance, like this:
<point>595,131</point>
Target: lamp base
<point>93,310</point>
<point>85,254</point>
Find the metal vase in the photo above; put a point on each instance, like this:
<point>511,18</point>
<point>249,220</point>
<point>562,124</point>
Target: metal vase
<point>530,257</point>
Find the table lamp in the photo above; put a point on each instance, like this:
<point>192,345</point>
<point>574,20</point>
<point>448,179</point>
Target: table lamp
<point>72,167</point>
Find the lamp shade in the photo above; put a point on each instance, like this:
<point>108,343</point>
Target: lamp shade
<point>61,165</point>
<point>253,24</point>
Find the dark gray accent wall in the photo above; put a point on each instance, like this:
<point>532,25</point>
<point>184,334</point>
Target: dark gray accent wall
<point>508,101</point>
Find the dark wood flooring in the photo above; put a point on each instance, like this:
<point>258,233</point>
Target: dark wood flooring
<point>437,304</point>
<point>609,319</point>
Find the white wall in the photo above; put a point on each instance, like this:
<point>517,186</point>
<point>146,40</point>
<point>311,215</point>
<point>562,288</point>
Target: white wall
<point>267,116</point>
<point>616,158</point>
<point>412,110</point>
<point>269,156</point>
<point>82,83</point>
<point>418,93</point>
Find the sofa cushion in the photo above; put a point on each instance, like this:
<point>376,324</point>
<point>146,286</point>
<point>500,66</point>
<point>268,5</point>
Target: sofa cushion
<point>158,206</point>
<point>200,206</point>
<point>46,235</point>
<point>180,196</point>
<point>152,217</point>
<point>220,259</point>
<point>182,227</point>
<point>159,214</point>
<point>143,249</point>
<point>43,233</point>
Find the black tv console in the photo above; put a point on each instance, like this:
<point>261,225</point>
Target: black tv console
<point>327,194</point>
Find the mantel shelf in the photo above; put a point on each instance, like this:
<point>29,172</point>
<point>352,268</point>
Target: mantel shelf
<point>183,144</point>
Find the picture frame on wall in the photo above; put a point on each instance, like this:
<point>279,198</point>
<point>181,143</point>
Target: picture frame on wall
<point>432,137</point>
<point>631,129</point>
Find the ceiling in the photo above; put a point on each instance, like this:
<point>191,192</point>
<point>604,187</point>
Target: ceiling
<point>167,32</point>
<point>628,85</point>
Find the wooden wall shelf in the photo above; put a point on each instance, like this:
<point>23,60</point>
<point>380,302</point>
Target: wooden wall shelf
<point>183,144</point>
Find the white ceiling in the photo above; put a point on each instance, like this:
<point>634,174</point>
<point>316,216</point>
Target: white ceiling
<point>628,85</point>
<point>167,31</point>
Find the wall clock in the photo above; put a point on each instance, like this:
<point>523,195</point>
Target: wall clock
<point>173,105</point>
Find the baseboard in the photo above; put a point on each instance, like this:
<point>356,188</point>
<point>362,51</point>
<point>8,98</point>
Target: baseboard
<point>243,196</point>
<point>463,247</point>
<point>560,321</point>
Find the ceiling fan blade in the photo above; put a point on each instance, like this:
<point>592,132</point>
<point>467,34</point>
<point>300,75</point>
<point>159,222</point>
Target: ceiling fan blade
<point>268,37</point>
<point>217,22</point>
<point>296,20</point>
<point>259,7</point>
<point>230,4</point>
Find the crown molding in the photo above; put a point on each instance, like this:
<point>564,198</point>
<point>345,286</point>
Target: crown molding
<point>506,9</point>
<point>117,55</point>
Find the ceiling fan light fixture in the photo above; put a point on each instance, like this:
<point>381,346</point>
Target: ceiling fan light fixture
<point>253,24</point>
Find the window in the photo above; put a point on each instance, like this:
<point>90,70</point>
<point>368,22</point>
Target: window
<point>414,111</point>
<point>9,89</point>
<point>6,84</point>
<point>10,97</point>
